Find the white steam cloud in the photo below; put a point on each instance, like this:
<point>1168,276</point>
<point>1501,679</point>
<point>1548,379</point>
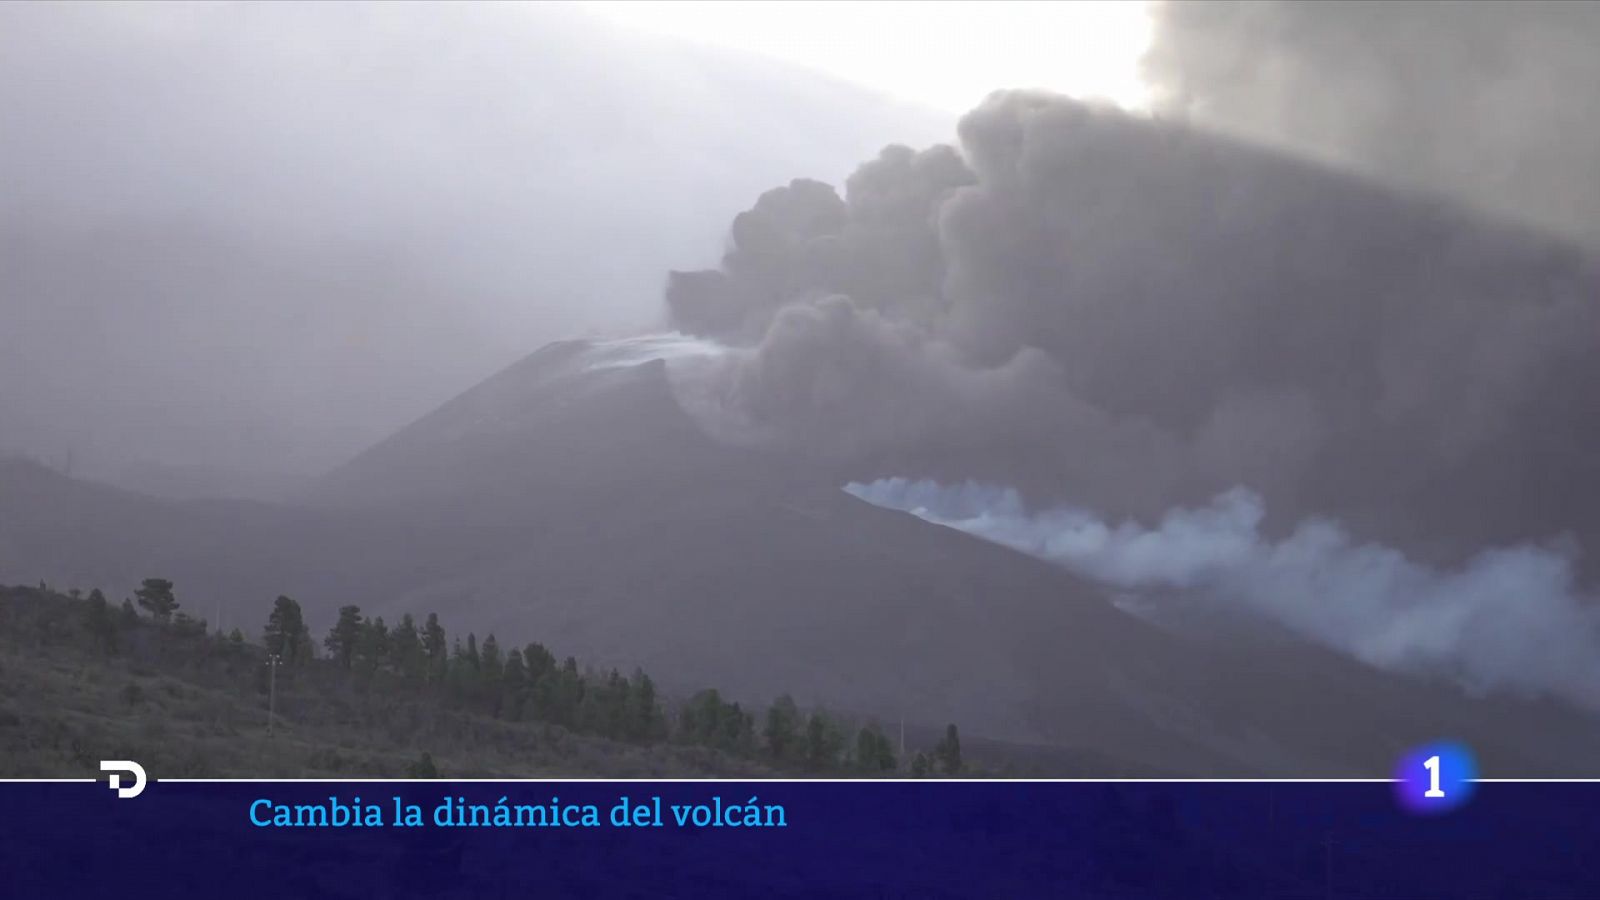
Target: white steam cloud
<point>669,347</point>
<point>1509,618</point>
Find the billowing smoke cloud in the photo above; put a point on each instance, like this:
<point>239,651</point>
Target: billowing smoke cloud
<point>1108,310</point>
<point>1492,101</point>
<point>854,385</point>
<point>1508,618</point>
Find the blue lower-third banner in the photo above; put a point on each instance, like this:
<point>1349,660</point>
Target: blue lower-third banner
<point>792,838</point>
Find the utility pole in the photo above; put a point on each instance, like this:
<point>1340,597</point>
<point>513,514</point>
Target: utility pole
<point>273,662</point>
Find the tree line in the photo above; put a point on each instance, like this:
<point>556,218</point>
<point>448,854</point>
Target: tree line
<point>528,683</point>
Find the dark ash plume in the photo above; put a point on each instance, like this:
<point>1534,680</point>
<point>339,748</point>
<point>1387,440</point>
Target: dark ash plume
<point>1103,309</point>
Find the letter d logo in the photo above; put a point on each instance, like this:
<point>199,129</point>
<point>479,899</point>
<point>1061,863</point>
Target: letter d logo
<point>117,766</point>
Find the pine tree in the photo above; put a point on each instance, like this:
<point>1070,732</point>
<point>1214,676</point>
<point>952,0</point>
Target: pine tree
<point>738,733</point>
<point>616,706</point>
<point>824,743</point>
<point>405,647</point>
<point>155,595</point>
<point>593,715</point>
<point>707,720</point>
<point>782,730</point>
<point>516,685</point>
<point>546,685</point>
<point>423,767</point>
<point>436,648</point>
<point>569,693</point>
<point>462,678</point>
<point>345,636</point>
<point>540,662</point>
<point>947,753</point>
<point>489,660</point>
<point>516,671</point>
<point>647,724</point>
<point>697,720</point>
<point>101,627</point>
<point>286,635</point>
<point>491,668</point>
<point>372,648</point>
<point>874,753</point>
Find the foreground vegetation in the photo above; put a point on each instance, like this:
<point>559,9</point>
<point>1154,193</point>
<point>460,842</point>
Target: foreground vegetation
<point>82,680</point>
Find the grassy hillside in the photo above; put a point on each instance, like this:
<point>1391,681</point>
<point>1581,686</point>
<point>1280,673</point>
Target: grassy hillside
<point>83,680</point>
<point>188,704</point>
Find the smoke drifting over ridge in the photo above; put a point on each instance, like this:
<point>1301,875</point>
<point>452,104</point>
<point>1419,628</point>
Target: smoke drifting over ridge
<point>1509,618</point>
<point>1129,314</point>
<point>1492,101</point>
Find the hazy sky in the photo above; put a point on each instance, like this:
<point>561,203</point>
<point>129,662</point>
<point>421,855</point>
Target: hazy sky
<point>264,236</point>
<point>945,55</point>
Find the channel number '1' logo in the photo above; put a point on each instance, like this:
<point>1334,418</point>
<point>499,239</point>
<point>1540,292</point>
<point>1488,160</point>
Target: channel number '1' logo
<point>118,766</point>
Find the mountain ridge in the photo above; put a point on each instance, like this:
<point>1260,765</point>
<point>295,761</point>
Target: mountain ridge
<point>793,586</point>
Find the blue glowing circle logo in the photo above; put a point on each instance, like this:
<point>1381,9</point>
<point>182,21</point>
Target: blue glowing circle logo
<point>1436,778</point>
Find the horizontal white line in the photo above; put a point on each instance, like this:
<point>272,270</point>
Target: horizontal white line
<point>793,780</point>
<point>777,780</point>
